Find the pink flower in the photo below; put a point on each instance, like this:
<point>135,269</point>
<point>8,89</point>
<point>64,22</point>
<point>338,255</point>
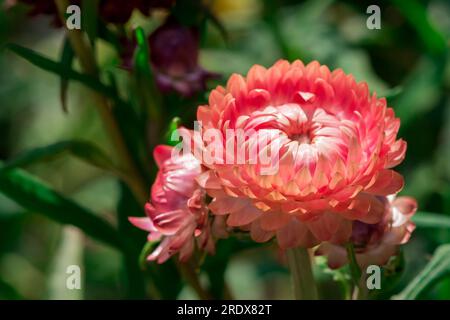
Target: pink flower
<point>177,213</point>
<point>376,243</point>
<point>334,145</point>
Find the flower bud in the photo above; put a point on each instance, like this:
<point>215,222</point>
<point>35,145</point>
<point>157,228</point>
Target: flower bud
<point>174,56</point>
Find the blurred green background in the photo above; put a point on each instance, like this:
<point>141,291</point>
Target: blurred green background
<point>406,61</point>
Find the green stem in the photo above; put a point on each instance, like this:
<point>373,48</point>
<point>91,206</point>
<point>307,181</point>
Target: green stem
<point>191,276</point>
<point>302,274</point>
<point>86,57</point>
<point>360,292</point>
<point>88,63</point>
<point>360,289</point>
<point>354,267</point>
<point>227,294</point>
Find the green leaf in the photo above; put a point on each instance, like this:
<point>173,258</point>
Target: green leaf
<point>420,90</point>
<point>128,206</point>
<point>35,196</point>
<point>67,57</point>
<point>431,220</point>
<point>435,270</point>
<point>61,70</point>
<point>89,21</point>
<point>142,53</point>
<point>416,13</point>
<point>109,36</point>
<point>8,292</point>
<point>391,276</point>
<point>217,23</point>
<point>83,150</point>
<point>144,75</point>
<point>135,137</point>
<point>391,94</point>
<point>174,124</point>
<point>147,249</point>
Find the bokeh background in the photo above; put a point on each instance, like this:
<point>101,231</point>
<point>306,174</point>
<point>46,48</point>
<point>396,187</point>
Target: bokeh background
<point>406,61</point>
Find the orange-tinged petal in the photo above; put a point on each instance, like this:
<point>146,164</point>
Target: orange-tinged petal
<point>258,234</point>
<point>295,234</point>
<point>388,182</point>
<point>271,221</point>
<point>243,216</point>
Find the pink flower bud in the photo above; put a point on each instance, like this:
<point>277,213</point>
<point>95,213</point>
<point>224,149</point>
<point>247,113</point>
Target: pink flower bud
<point>177,213</point>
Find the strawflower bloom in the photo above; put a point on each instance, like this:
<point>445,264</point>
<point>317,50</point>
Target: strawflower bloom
<point>376,243</point>
<point>334,145</point>
<point>177,215</point>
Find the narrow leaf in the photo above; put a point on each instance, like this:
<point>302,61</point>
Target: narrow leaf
<point>420,92</point>
<point>416,13</point>
<point>59,69</point>
<point>83,150</point>
<point>147,249</point>
<point>109,36</point>
<point>431,220</point>
<point>89,20</point>
<point>141,58</point>
<point>174,124</point>
<point>217,23</point>
<point>391,94</point>
<point>128,206</point>
<point>67,57</point>
<point>435,270</point>
<point>144,76</point>
<point>35,196</point>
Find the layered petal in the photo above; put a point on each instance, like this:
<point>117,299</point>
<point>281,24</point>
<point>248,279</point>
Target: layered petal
<point>177,214</point>
<point>310,150</point>
<point>375,243</point>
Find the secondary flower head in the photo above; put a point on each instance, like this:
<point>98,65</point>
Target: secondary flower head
<point>174,56</point>
<point>331,142</point>
<point>177,214</point>
<point>376,243</point>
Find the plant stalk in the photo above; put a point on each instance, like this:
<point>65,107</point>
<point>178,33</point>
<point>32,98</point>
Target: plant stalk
<point>191,276</point>
<point>302,275</point>
<point>86,57</point>
<point>358,279</point>
<point>84,52</point>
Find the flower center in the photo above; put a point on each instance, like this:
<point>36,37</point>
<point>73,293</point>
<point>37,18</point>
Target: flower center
<point>302,138</point>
